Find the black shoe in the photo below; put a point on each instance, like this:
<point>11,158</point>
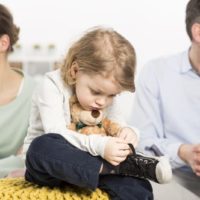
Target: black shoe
<point>139,165</point>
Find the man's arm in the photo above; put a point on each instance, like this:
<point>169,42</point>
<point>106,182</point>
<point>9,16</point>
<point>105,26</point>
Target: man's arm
<point>147,116</point>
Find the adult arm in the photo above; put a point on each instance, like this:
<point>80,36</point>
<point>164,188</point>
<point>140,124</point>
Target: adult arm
<point>148,117</point>
<point>10,164</point>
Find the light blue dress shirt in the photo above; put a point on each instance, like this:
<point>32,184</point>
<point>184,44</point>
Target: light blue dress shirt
<point>166,107</point>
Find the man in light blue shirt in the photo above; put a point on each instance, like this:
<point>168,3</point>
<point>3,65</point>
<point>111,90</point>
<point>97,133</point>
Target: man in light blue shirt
<point>167,106</point>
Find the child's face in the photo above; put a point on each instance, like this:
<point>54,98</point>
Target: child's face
<point>95,92</point>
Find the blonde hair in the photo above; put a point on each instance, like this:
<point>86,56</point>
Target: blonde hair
<point>100,51</point>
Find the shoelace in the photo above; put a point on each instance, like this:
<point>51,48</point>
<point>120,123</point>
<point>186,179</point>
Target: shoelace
<point>132,148</point>
<point>139,168</point>
<point>144,166</point>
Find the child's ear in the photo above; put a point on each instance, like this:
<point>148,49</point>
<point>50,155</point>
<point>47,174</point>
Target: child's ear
<point>4,43</point>
<point>74,69</point>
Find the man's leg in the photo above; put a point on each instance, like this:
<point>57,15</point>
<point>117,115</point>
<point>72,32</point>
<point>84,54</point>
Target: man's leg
<point>188,180</point>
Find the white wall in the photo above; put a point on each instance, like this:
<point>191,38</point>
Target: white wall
<point>154,27</point>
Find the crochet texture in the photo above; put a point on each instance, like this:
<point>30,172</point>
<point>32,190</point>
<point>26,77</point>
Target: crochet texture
<point>19,189</point>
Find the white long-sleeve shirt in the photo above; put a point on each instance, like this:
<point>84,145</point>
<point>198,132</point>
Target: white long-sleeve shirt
<point>50,113</point>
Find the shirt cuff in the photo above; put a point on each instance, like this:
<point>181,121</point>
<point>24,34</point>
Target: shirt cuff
<point>175,160</point>
<point>100,145</point>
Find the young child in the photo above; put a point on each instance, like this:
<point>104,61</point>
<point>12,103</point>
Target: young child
<point>99,66</point>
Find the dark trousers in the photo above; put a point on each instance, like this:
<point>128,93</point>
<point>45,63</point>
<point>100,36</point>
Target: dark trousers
<point>52,161</point>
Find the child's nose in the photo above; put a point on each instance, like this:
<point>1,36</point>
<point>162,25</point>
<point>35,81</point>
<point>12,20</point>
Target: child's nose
<point>101,101</point>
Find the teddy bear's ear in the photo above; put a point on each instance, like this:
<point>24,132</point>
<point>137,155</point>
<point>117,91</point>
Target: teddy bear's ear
<point>75,109</point>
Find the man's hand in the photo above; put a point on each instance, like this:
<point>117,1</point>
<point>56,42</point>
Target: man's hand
<point>128,135</point>
<point>116,150</point>
<point>196,166</point>
<point>190,153</point>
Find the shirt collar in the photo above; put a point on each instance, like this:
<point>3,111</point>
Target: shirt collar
<point>185,65</point>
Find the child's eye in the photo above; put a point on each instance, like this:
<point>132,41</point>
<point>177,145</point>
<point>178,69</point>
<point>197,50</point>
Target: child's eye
<point>112,96</point>
<point>95,92</point>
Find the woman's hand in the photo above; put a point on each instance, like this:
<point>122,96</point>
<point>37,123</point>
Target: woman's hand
<point>19,151</point>
<point>16,173</point>
<point>128,135</point>
<point>116,150</point>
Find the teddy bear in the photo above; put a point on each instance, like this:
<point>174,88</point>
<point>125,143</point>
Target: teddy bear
<point>91,121</point>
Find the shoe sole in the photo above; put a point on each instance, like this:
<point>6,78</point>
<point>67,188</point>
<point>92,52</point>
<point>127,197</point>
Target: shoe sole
<point>163,170</point>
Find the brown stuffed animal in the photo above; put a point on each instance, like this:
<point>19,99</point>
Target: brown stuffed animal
<point>90,122</point>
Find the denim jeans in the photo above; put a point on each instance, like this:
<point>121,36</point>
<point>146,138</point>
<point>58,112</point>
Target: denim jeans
<point>52,161</point>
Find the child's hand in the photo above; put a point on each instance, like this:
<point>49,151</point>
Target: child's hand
<point>116,150</point>
<point>128,135</point>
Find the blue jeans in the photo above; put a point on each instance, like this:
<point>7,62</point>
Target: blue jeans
<point>53,161</point>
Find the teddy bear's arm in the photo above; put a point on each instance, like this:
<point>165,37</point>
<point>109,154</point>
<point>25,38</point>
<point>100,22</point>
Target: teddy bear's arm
<point>111,128</point>
<point>72,127</point>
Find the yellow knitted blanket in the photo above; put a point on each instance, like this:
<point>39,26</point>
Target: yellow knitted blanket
<point>19,189</point>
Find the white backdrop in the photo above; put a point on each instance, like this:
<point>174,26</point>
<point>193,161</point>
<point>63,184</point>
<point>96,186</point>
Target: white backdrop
<point>155,27</point>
